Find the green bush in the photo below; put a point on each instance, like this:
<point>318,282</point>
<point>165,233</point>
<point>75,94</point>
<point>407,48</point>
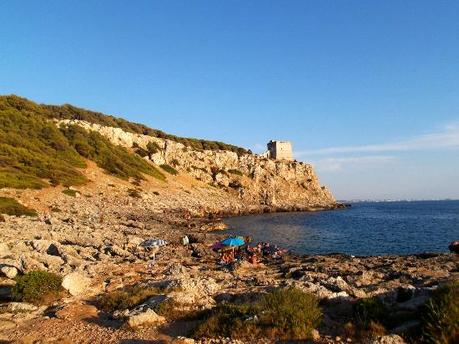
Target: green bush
<point>441,316</point>
<point>152,148</point>
<point>38,287</point>
<point>70,192</point>
<point>280,314</point>
<point>236,172</point>
<point>371,316</point>
<point>290,313</point>
<point>370,309</point>
<point>141,152</point>
<point>71,112</point>
<point>169,169</point>
<point>10,206</point>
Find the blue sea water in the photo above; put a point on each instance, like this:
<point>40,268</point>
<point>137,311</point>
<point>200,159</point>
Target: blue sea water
<point>366,228</point>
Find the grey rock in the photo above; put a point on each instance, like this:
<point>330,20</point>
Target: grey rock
<point>76,283</point>
<point>9,271</point>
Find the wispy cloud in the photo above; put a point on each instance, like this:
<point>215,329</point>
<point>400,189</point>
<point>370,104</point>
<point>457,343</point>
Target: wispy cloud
<point>337,164</point>
<point>448,137</point>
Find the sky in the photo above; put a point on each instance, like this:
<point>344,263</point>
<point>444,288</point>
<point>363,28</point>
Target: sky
<point>367,91</point>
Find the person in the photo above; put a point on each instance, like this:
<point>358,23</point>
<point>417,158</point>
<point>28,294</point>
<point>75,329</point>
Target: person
<point>253,259</point>
<point>227,257</point>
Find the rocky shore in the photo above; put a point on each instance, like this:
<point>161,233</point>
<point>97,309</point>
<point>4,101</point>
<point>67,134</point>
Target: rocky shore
<point>94,241</point>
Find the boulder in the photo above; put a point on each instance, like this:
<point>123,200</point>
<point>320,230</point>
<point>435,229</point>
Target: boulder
<point>9,271</point>
<point>315,335</point>
<point>15,307</point>
<point>389,339</point>
<point>147,317</point>
<point>192,291</point>
<point>76,283</point>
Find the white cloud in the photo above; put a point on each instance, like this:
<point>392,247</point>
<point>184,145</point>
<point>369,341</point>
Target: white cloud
<point>446,138</point>
<point>337,164</point>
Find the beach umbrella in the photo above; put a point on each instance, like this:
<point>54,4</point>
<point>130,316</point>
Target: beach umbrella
<point>234,241</point>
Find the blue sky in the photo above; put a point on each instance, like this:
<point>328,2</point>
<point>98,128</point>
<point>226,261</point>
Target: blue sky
<point>368,91</point>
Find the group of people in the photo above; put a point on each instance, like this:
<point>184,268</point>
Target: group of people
<point>265,249</point>
<point>250,253</point>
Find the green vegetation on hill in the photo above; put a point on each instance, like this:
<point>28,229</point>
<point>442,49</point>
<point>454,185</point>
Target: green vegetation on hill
<point>169,169</point>
<point>115,159</point>
<point>10,206</point>
<point>71,112</point>
<point>35,153</point>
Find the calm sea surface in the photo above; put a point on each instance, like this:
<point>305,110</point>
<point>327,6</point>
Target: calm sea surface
<point>367,228</point>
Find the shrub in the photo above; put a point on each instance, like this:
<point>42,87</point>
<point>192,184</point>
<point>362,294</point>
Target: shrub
<point>236,172</point>
<point>280,314</point>
<point>169,169</point>
<point>128,298</point>
<point>134,193</point>
<point>141,152</point>
<point>370,309</point>
<point>364,334</point>
<point>290,313</point>
<point>370,316</point>
<point>235,184</point>
<point>152,148</point>
<point>38,287</point>
<point>172,310</point>
<point>441,317</point>
<point>228,320</point>
<point>10,206</point>
<point>70,192</point>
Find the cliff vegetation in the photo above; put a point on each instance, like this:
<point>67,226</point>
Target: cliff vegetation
<point>35,153</point>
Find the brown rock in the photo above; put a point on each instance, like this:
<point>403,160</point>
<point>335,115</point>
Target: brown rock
<point>77,311</point>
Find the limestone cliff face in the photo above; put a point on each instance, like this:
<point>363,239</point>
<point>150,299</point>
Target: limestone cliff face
<point>254,180</point>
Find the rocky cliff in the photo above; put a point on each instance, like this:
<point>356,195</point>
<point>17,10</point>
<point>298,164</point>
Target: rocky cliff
<point>254,180</point>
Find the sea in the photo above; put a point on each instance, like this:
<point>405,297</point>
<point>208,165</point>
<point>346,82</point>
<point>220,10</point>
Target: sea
<point>363,229</point>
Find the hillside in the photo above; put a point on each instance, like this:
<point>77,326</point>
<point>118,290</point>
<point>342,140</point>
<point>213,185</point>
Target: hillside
<point>47,145</point>
<point>35,153</point>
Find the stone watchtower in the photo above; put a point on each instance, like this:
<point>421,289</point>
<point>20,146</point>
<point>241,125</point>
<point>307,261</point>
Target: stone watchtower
<point>279,150</point>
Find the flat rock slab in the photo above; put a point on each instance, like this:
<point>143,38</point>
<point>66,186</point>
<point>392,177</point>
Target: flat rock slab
<point>77,311</point>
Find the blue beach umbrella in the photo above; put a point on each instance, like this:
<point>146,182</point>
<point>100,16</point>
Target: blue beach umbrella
<point>234,241</point>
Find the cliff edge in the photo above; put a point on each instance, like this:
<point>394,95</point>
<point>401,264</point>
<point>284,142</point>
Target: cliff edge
<point>251,179</point>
